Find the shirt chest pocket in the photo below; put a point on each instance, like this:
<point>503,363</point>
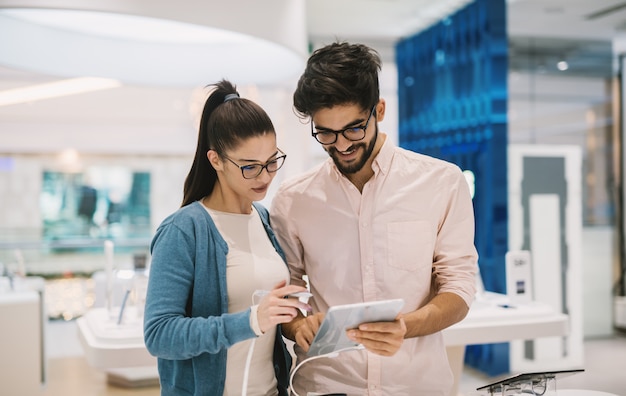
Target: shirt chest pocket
<point>410,245</point>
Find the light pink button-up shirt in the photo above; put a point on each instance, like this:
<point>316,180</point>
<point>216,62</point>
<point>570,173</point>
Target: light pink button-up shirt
<point>414,217</point>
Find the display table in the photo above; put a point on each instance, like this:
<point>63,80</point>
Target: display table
<point>582,392</point>
<point>22,358</point>
<point>537,383</point>
<point>118,349</point>
<point>494,318</point>
<point>109,345</point>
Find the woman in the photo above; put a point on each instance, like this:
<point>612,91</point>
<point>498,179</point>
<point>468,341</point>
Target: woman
<point>218,276</point>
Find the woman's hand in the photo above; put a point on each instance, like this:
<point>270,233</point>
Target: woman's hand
<point>275,308</point>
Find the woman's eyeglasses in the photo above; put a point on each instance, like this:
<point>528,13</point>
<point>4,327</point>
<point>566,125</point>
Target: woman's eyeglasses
<point>251,171</point>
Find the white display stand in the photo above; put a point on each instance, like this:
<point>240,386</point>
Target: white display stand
<point>519,276</point>
<point>22,360</point>
<point>104,339</point>
<point>112,332</point>
<point>493,318</point>
<point>117,349</point>
<point>538,383</point>
<point>545,218</point>
<point>582,392</point>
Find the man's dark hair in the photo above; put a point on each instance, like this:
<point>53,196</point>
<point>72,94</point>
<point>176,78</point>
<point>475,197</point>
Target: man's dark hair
<point>338,74</point>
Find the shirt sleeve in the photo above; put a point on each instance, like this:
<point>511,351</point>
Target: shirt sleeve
<point>287,236</point>
<point>254,320</point>
<point>455,258</point>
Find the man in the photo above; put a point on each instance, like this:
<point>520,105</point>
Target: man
<point>373,222</point>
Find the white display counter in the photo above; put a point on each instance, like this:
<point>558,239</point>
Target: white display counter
<point>109,345</point>
<point>22,358</point>
<point>117,349</point>
<point>494,318</point>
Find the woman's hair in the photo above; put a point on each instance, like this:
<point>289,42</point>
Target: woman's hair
<point>338,74</point>
<point>227,120</point>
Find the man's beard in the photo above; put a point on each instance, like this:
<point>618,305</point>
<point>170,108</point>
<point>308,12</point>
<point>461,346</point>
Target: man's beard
<point>358,165</point>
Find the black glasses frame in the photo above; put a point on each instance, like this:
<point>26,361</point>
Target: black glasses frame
<point>353,129</point>
<point>260,167</point>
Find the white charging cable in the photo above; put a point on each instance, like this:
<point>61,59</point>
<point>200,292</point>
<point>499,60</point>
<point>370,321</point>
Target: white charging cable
<point>328,355</point>
<point>246,371</point>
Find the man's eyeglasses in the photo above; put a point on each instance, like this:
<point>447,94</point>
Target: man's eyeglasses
<point>251,171</point>
<point>355,133</point>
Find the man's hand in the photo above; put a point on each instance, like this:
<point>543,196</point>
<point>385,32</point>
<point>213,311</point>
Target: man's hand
<point>381,338</point>
<point>302,329</point>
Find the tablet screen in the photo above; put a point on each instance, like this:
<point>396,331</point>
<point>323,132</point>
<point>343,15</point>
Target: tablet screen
<point>331,336</point>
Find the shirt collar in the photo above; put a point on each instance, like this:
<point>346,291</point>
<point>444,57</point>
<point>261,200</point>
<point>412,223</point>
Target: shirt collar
<point>382,162</point>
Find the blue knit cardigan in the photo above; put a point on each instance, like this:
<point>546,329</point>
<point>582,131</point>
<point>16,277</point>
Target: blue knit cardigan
<point>186,324</point>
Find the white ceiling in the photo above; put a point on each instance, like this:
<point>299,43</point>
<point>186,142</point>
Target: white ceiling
<point>539,27</point>
<point>580,29</point>
<point>582,19</point>
<point>381,23</point>
<point>389,20</point>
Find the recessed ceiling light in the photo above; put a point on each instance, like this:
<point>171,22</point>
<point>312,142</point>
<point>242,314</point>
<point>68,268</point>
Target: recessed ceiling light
<point>126,27</point>
<point>55,89</point>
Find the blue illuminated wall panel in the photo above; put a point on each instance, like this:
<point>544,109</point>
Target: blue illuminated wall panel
<point>453,105</point>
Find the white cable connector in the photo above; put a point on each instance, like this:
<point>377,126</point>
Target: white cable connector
<point>298,295</point>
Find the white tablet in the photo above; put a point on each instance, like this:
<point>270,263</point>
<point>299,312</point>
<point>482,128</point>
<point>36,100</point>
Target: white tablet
<point>331,336</point>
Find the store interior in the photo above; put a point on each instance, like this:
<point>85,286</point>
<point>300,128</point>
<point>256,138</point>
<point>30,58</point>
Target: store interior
<point>108,163</point>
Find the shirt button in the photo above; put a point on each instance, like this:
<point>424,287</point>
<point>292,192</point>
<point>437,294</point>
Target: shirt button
<point>364,225</point>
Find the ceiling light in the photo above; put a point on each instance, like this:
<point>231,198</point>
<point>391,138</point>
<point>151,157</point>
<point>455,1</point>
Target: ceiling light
<point>160,43</point>
<point>127,27</point>
<point>562,65</point>
<point>55,89</point>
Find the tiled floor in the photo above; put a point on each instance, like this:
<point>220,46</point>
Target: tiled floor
<point>70,375</point>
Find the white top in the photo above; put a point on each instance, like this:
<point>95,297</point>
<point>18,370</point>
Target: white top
<point>252,264</point>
